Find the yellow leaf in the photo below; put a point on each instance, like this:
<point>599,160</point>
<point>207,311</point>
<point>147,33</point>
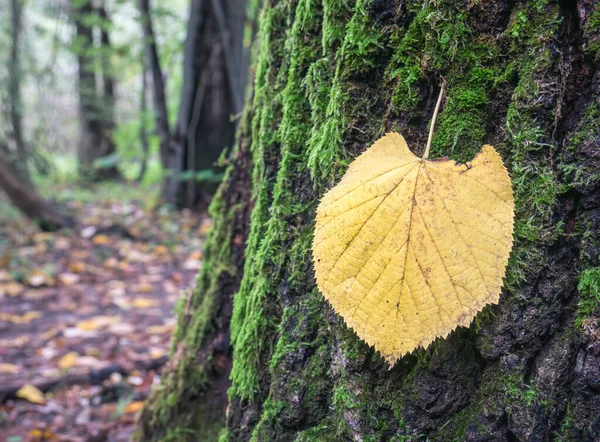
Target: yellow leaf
<point>144,303</point>
<point>133,407</point>
<point>101,240</point>
<point>5,276</point>
<point>161,250</point>
<point>11,288</point>
<point>41,434</point>
<point>68,360</point>
<point>77,267</point>
<point>144,287</point>
<point>24,319</point>
<point>407,249</point>
<point>97,322</point>
<point>31,393</point>
<point>159,329</point>
<point>69,278</point>
<point>9,368</point>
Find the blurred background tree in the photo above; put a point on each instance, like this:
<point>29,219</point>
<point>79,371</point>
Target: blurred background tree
<point>134,90</point>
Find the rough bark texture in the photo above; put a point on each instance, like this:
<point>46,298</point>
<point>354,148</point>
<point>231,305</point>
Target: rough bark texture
<point>215,71</point>
<point>332,77</point>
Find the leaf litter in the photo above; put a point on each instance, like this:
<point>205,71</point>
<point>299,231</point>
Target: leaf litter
<point>86,318</point>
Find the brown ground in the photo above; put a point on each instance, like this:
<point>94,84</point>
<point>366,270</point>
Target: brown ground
<point>86,316</point>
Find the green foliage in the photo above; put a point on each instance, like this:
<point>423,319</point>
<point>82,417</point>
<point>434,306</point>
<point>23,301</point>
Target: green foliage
<point>591,32</point>
<point>589,294</point>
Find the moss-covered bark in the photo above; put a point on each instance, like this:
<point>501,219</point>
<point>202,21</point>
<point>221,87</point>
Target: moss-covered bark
<point>331,77</point>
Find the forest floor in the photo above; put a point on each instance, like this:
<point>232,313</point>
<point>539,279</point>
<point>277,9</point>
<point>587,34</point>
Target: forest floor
<point>86,315</point>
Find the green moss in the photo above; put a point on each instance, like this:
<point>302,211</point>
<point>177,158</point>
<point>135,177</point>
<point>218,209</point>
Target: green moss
<point>361,44</point>
<point>583,175</point>
<point>589,295</point>
<point>251,322</point>
<point>564,434</point>
<point>439,41</point>
<point>591,33</point>
<point>463,122</point>
<point>534,181</point>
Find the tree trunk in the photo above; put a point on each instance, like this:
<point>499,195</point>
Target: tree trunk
<point>19,159</point>
<point>90,138</point>
<point>27,200</point>
<point>168,152</point>
<point>331,78</point>
<point>107,146</point>
<point>215,70</point>
<point>96,110</point>
<point>143,130</point>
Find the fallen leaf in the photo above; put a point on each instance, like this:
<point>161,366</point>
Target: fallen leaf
<point>97,322</point>
<point>68,278</point>
<point>133,407</point>
<point>101,240</point>
<point>68,360</point>
<point>145,288</point>
<point>88,361</point>
<point>42,434</point>
<point>407,249</point>
<point>20,319</point>
<point>31,393</point>
<point>161,250</point>
<point>19,341</point>
<point>88,232</point>
<point>156,353</point>
<point>11,288</point>
<point>77,267</point>
<point>144,303</point>
<point>9,368</point>
<point>121,328</point>
<point>38,278</point>
<point>5,276</point>
<point>159,329</point>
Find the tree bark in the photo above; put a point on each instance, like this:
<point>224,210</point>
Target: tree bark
<point>143,130</point>
<point>90,108</point>
<point>168,152</point>
<point>19,160</point>
<point>107,146</point>
<point>26,199</point>
<point>216,63</point>
<point>331,78</point>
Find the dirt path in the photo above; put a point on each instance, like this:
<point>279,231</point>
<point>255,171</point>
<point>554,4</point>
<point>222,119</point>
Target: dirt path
<point>86,317</point>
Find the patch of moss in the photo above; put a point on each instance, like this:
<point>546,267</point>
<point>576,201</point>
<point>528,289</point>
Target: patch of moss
<point>591,33</point>
<point>589,295</point>
<point>361,44</point>
<point>564,433</point>
<point>534,181</point>
<point>251,322</point>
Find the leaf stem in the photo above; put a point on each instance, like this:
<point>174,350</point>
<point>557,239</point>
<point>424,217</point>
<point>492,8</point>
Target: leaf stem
<point>435,112</point>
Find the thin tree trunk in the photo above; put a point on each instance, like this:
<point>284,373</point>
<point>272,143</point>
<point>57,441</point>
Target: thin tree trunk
<point>26,199</point>
<point>14,87</point>
<point>167,153</point>
<point>90,109</point>
<point>331,78</point>
<point>143,129</point>
<point>213,88</point>
<point>107,146</point>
